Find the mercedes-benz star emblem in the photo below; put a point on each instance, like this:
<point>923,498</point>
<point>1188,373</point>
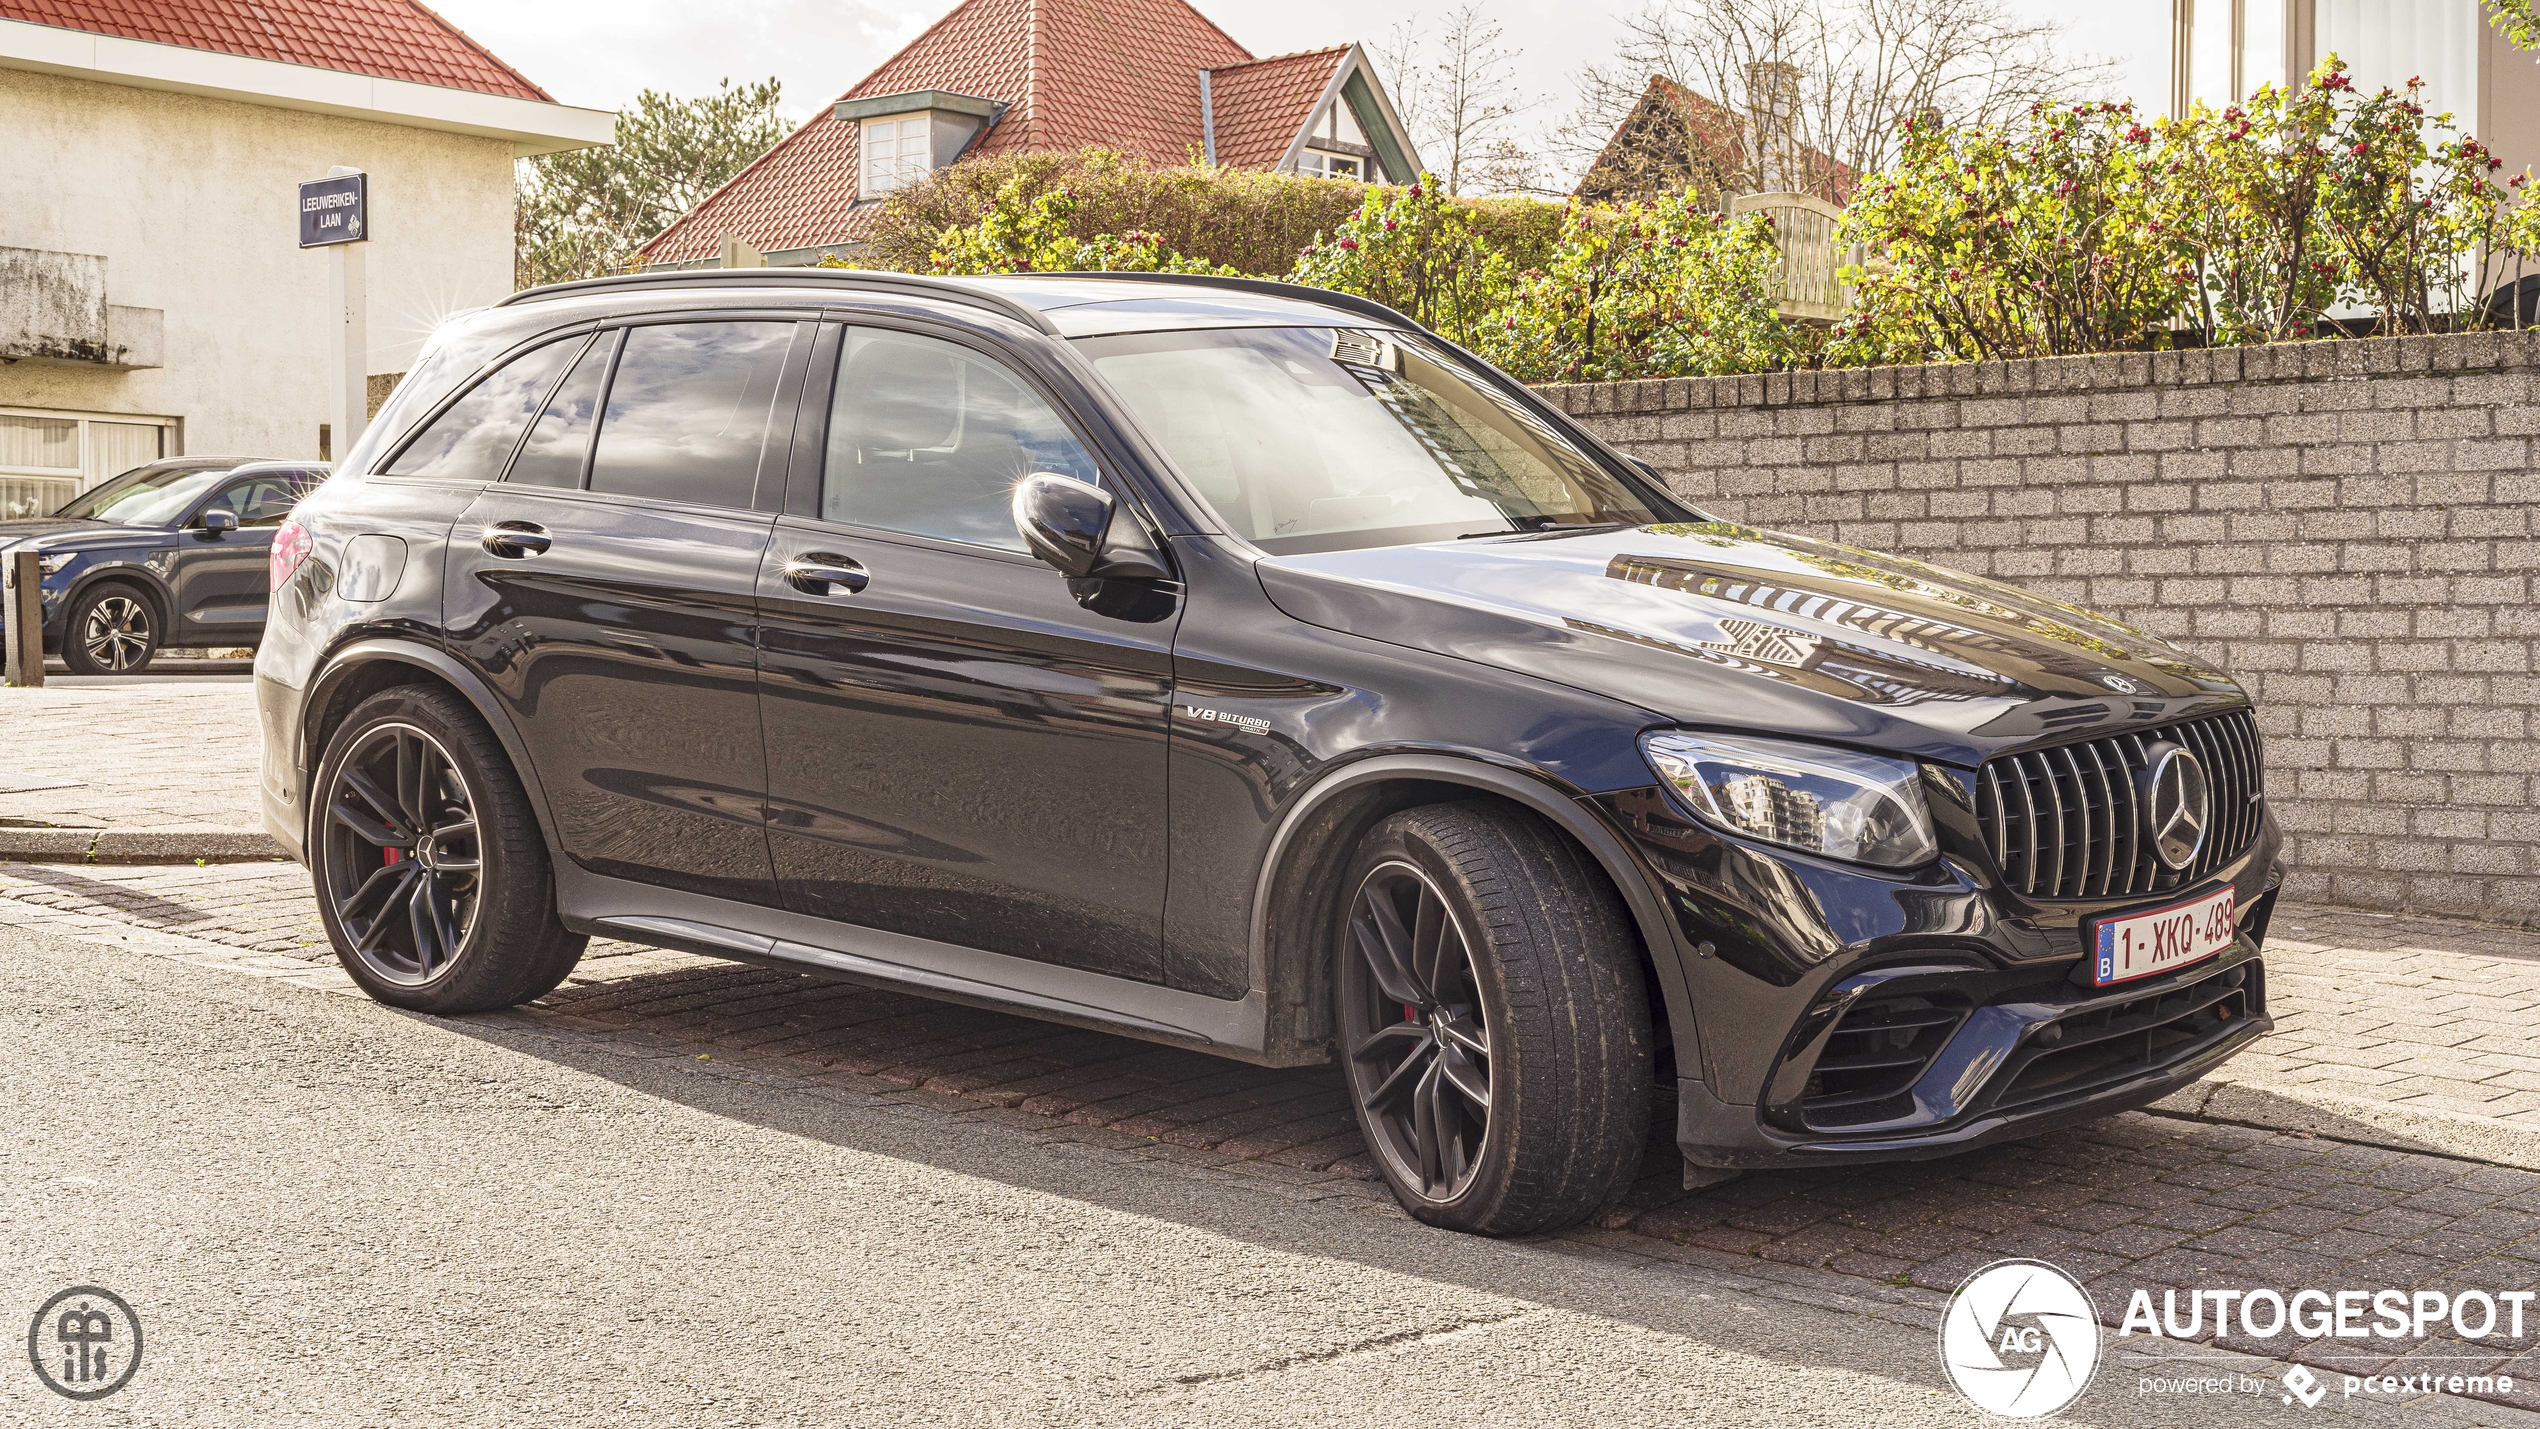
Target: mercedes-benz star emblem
<point>2177,805</point>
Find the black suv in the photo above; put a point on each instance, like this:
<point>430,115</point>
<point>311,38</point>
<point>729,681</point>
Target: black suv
<point>1243,667</point>
<point>174,553</point>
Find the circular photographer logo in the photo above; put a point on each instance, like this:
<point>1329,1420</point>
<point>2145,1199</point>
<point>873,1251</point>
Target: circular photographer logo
<point>85,1343</point>
<point>2020,1339</point>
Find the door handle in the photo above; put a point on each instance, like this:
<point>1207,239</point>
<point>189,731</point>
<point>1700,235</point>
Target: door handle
<point>820,573</point>
<point>515,539</point>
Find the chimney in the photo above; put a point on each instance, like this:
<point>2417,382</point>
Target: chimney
<point>1772,97</point>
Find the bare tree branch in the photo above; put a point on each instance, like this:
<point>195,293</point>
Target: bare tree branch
<point>1863,67</point>
<point>1457,90</point>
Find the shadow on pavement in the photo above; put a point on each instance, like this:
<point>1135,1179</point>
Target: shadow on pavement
<point>144,908</point>
<point>2130,1202</point>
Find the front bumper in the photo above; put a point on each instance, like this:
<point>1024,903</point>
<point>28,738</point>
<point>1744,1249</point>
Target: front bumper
<point>1961,978</point>
<point>1998,1077</point>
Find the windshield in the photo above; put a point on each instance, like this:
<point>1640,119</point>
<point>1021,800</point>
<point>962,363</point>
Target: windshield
<point>1316,439</point>
<point>147,496</point>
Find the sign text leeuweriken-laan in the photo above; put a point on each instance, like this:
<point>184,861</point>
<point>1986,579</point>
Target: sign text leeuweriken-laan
<point>335,210</point>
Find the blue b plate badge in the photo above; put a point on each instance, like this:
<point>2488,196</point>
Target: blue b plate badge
<point>2142,944</point>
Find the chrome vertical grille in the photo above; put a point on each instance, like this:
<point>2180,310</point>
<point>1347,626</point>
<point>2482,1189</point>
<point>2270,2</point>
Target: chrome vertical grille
<point>2067,822</point>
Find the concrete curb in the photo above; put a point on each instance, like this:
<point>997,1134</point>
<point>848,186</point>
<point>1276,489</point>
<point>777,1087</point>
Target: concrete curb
<point>2285,1106</point>
<point>174,843</point>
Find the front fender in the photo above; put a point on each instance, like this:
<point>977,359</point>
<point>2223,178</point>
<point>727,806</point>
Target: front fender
<point>1288,917</point>
<point>138,572</point>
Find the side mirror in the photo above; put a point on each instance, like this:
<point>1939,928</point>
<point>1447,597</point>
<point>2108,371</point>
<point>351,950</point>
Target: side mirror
<point>217,521</point>
<point>1068,523</point>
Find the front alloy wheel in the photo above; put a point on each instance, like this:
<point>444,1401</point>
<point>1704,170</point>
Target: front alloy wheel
<point>1493,1022</point>
<point>1419,1041</point>
<point>110,632</point>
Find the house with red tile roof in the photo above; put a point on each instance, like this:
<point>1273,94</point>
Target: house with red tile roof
<point>1676,140</point>
<point>154,299</point>
<point>1151,78</point>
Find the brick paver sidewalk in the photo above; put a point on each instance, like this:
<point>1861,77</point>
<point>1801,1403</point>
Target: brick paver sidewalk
<point>145,771</point>
<point>2142,1200</point>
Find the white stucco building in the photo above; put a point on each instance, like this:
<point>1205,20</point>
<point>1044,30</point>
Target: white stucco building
<point>153,297</point>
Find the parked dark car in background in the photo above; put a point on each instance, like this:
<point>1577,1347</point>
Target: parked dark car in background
<point>1242,667</point>
<point>172,554</point>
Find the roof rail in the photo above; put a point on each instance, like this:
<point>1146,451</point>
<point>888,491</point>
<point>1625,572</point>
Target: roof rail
<point>1272,287</point>
<point>913,285</point>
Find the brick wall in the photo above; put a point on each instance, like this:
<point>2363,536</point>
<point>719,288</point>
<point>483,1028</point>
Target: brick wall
<point>2347,526</point>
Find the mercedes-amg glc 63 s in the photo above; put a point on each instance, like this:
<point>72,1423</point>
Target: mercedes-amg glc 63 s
<point>1247,668</point>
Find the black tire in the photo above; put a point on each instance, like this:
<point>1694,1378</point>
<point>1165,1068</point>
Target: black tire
<point>111,629</point>
<point>1553,980</point>
<point>470,924</point>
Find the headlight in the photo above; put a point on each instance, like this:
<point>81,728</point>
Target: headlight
<point>52,564</point>
<point>1856,807</point>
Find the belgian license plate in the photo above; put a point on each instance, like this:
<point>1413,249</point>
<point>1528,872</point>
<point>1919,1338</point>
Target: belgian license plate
<point>2142,944</point>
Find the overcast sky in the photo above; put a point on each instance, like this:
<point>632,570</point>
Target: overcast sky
<point>600,52</point>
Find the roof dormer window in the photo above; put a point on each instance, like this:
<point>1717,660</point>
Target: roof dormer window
<point>897,153</point>
<point>901,138</point>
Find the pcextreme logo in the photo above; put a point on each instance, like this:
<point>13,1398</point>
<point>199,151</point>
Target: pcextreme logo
<point>2020,1339</point>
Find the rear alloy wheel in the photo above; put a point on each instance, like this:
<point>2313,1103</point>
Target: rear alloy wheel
<point>431,877</point>
<point>1494,1031</point>
<point>110,631</point>
<point>405,854</point>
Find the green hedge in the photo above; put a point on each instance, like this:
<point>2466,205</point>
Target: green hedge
<point>1242,219</point>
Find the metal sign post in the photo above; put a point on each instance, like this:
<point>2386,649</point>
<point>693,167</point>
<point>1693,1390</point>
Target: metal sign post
<point>335,214</point>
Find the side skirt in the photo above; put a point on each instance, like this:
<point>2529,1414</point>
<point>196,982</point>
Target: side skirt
<point>715,927</point>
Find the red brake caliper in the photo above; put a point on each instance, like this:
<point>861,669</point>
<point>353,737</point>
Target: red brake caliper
<point>391,853</point>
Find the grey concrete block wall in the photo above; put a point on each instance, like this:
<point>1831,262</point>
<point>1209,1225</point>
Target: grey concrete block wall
<point>2348,526</point>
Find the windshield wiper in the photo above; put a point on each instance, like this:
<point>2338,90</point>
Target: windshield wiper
<point>1518,525</point>
<point>1548,530</point>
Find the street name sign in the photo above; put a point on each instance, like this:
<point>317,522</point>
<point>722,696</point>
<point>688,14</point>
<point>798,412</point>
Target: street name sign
<point>335,210</point>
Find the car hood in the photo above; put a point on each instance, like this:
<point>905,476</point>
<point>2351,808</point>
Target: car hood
<point>1719,625</point>
<point>37,528</point>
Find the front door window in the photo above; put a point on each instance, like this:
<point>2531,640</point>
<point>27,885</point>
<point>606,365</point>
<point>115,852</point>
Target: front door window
<point>928,438</point>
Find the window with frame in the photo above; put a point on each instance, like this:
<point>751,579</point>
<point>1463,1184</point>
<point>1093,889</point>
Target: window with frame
<point>267,497</point>
<point>560,444</point>
<point>929,437</point>
<point>895,153</point>
<point>472,440</point>
<point>688,410</point>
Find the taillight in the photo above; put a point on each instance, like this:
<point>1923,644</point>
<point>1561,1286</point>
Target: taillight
<point>291,543</point>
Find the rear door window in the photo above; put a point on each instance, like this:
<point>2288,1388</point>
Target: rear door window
<point>929,437</point>
<point>688,411</point>
<point>472,440</point>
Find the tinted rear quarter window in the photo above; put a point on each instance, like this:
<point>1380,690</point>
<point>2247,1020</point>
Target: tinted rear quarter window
<point>688,411</point>
<point>553,454</point>
<point>471,440</point>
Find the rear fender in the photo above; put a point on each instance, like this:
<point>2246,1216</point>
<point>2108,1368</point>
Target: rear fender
<point>357,663</point>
